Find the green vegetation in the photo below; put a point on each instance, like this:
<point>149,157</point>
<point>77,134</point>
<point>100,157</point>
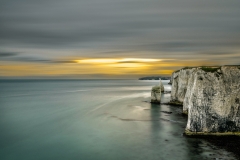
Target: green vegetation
<point>156,89</point>
<point>209,69</point>
<point>183,69</point>
<point>204,68</point>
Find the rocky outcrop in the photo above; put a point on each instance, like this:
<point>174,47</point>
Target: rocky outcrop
<point>179,83</point>
<point>156,93</point>
<point>161,84</point>
<point>211,98</point>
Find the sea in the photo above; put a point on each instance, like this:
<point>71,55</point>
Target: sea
<point>72,119</point>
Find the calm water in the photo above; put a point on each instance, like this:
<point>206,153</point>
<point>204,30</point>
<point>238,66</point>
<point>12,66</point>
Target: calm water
<point>93,120</point>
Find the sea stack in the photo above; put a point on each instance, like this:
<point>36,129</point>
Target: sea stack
<point>156,93</point>
<point>210,97</point>
<point>161,84</point>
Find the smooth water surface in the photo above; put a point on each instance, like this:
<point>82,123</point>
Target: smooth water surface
<point>93,120</point>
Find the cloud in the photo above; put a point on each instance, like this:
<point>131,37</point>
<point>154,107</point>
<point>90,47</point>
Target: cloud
<point>8,54</point>
<point>61,24</point>
<point>62,61</point>
<point>216,53</point>
<point>130,62</point>
<point>183,30</point>
<point>14,57</point>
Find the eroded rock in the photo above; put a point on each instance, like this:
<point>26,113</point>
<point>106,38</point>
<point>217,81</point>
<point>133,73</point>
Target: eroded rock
<point>161,84</point>
<point>211,98</point>
<point>156,93</point>
<point>179,84</point>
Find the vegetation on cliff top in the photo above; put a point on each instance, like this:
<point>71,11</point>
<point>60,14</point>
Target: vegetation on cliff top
<point>183,69</point>
<point>209,69</point>
<point>204,68</point>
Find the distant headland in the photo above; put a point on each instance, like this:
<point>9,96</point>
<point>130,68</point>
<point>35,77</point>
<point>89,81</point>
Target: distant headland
<point>154,78</point>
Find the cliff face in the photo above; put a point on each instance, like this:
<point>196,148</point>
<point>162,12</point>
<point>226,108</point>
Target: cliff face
<point>156,94</point>
<point>211,97</point>
<point>179,84</point>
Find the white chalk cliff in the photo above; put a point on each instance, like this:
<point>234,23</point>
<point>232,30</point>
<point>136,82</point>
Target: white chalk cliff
<point>156,93</point>
<point>179,84</point>
<point>211,98</point>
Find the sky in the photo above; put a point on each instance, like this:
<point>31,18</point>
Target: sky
<point>115,38</point>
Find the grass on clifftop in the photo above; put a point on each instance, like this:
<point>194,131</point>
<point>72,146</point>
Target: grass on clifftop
<point>204,68</point>
<point>210,69</point>
<point>184,69</point>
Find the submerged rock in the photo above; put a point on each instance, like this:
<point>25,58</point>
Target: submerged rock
<point>167,92</point>
<point>211,98</point>
<point>175,103</point>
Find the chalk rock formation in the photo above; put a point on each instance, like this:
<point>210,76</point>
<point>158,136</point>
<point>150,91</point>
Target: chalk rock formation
<point>212,100</point>
<point>179,84</point>
<point>161,84</point>
<point>156,93</point>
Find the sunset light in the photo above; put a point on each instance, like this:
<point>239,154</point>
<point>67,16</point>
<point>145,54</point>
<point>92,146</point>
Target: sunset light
<point>119,79</point>
<point>120,60</point>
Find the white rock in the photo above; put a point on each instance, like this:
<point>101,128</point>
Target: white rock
<point>212,100</point>
<point>180,83</point>
<point>161,84</point>
<point>156,94</point>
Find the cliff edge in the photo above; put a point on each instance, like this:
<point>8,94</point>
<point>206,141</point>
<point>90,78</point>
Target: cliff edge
<point>210,97</point>
<point>179,84</point>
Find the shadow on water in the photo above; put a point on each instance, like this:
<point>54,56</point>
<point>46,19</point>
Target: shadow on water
<point>228,143</point>
<point>155,125</point>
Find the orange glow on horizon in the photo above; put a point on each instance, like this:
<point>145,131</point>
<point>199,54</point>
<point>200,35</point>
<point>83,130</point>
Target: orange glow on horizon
<point>112,67</point>
<point>116,60</point>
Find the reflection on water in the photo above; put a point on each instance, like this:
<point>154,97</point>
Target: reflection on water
<point>91,120</point>
<point>155,126</point>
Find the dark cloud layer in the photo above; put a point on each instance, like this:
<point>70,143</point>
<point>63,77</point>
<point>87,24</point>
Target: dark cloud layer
<point>7,54</point>
<point>114,27</point>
